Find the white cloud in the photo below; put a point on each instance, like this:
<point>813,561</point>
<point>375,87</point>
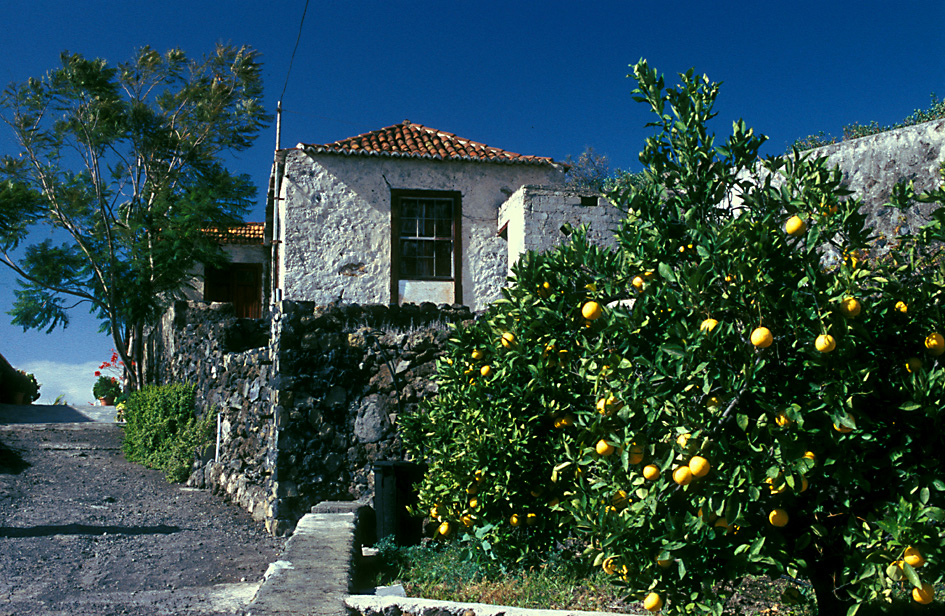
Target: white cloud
<point>72,381</point>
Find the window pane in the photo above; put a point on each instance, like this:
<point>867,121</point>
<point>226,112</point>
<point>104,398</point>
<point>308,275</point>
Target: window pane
<point>408,227</point>
<point>444,228</point>
<point>428,228</point>
<point>444,209</point>
<point>444,259</point>
<point>409,208</point>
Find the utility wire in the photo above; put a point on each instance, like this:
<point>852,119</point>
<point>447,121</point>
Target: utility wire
<point>292,59</point>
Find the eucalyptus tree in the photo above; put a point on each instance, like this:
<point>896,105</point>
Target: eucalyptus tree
<point>120,170</point>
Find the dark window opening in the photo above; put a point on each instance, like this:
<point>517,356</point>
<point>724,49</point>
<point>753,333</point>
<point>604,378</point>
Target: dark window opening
<point>237,283</point>
<point>591,201</point>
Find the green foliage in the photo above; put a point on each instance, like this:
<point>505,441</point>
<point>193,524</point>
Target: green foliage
<point>845,442</point>
<point>126,163</point>
<point>27,384</point>
<point>106,387</point>
<point>163,431</point>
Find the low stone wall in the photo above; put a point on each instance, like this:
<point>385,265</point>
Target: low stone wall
<point>345,374</point>
<point>307,401</point>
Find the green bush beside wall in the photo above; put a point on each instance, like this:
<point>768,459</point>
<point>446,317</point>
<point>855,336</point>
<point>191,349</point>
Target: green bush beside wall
<point>163,430</point>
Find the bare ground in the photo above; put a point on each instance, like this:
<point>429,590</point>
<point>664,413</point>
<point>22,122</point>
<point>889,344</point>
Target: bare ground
<point>84,531</point>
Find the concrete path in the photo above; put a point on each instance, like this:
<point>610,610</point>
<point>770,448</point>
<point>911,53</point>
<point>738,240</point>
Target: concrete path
<point>313,577</point>
<point>58,413</point>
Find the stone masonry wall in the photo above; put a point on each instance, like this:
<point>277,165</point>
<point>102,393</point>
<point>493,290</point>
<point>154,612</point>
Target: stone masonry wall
<point>345,375</point>
<point>307,402</point>
<point>873,165</point>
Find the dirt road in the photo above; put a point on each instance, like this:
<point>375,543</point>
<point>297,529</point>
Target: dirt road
<point>83,531</point>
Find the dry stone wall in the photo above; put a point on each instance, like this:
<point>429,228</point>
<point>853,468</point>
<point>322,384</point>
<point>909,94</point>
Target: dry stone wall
<point>308,401</point>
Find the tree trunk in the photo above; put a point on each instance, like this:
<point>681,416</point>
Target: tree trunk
<point>823,575</point>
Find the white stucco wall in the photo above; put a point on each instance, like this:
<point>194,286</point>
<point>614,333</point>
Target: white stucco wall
<point>533,217</point>
<point>335,222</point>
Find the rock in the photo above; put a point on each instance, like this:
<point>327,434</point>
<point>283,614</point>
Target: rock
<point>372,421</point>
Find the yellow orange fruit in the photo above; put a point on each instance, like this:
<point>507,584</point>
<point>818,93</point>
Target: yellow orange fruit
<point>466,520</point>
<point>636,454</point>
<point>902,307</point>
<point>683,440</point>
<point>508,340</point>
<point>651,472</point>
<point>825,343</point>
<point>604,448</point>
<point>699,466</point>
<point>778,517</point>
<point>609,565</point>
<point>708,325</point>
<point>914,557</point>
<point>775,490</point>
<point>850,307</point>
<point>486,370</point>
<point>783,420</point>
<point>444,529</point>
<point>682,476</point>
<point>924,595</point>
<point>713,403</point>
<point>810,456</point>
<point>473,502</point>
<point>544,291</point>
<point>608,406</point>
<point>795,226</point>
<point>591,311</point>
<point>843,428</point>
<point>515,520</point>
<point>637,283</point>
<point>761,337</point>
<point>666,563</point>
<point>653,602</point>
<point>913,364</point>
<point>531,518</point>
<point>477,354</point>
<point>935,344</point>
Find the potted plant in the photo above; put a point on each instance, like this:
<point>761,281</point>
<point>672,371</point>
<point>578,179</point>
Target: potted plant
<point>106,389</point>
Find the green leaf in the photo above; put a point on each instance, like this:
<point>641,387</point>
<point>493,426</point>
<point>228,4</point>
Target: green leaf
<point>667,272</point>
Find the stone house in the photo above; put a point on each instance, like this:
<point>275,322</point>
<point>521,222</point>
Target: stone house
<point>413,214</point>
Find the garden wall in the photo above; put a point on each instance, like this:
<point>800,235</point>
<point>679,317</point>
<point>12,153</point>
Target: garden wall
<point>308,401</point>
<point>873,165</point>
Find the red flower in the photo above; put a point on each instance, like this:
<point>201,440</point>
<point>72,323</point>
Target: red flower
<point>97,373</point>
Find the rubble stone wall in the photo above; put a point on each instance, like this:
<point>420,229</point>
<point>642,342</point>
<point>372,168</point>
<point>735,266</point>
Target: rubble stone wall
<point>307,401</point>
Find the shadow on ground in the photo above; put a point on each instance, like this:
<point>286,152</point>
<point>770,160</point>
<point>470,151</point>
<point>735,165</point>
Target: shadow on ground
<point>11,463</point>
<point>85,529</point>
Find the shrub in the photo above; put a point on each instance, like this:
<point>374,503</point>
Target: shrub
<point>162,430</point>
<point>106,387</point>
<point>740,392</point>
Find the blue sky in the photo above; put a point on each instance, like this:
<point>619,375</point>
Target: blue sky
<point>542,78</point>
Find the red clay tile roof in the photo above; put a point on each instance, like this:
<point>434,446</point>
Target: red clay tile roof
<point>245,233</point>
<point>409,140</point>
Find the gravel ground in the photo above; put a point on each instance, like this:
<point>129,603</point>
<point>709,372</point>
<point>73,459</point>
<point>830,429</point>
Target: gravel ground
<point>83,531</point>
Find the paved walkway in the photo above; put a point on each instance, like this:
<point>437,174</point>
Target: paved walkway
<point>58,413</point>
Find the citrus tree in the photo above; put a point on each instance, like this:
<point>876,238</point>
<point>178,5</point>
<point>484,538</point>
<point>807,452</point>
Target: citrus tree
<point>747,389</point>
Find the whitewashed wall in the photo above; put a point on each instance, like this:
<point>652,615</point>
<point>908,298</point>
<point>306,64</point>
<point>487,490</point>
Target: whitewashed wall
<point>335,222</point>
<point>533,217</point>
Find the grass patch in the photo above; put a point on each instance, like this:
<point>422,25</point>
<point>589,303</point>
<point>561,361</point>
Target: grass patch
<point>449,573</point>
<point>566,581</point>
